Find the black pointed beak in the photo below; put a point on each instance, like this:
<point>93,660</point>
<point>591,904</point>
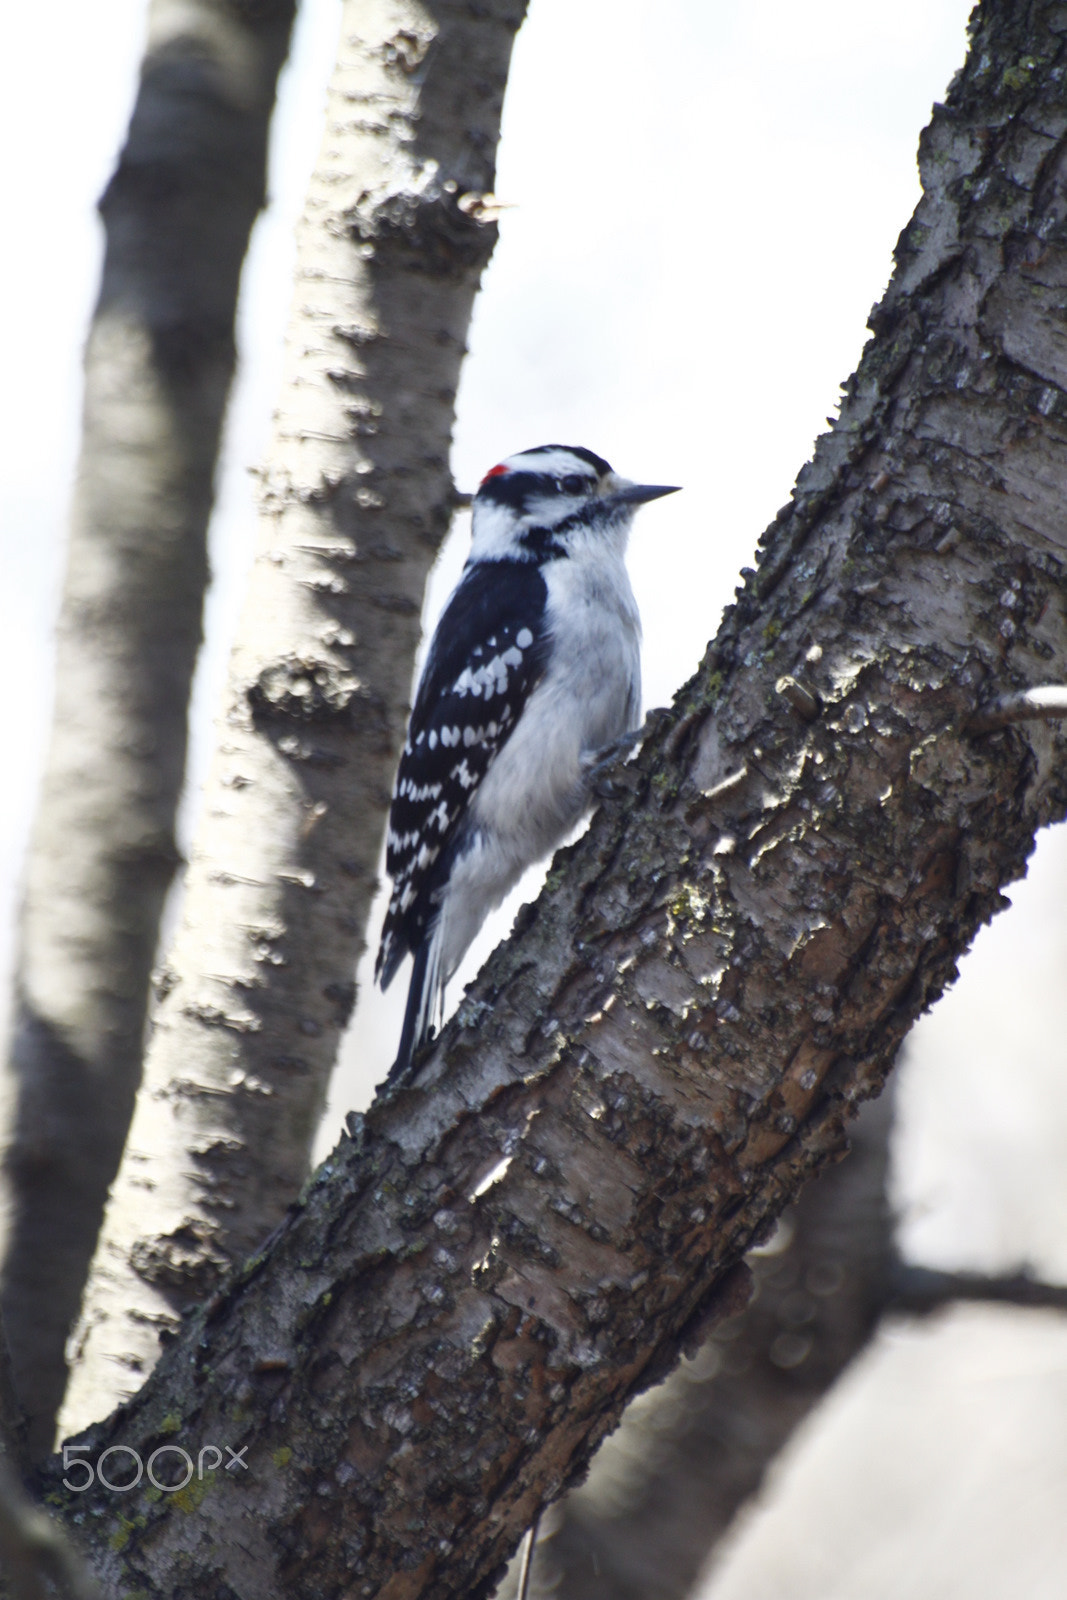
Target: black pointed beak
<point>636,494</point>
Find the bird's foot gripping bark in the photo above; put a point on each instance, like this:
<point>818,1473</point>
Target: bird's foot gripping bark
<point>605,767</point>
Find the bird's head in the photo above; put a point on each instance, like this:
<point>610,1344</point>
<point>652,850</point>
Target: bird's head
<point>548,502</point>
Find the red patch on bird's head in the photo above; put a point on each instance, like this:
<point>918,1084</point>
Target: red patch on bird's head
<point>495,472</point>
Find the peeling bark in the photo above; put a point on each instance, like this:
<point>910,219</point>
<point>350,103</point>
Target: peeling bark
<point>459,1307</point>
<point>177,213</point>
<point>356,498</point>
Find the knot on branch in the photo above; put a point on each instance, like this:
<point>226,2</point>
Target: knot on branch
<point>440,231</point>
<point>303,687</point>
<point>187,1259</point>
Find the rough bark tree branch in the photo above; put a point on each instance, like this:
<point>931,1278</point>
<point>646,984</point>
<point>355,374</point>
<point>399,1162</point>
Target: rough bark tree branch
<point>665,1488</point>
<point>259,983</point>
<point>472,1287</point>
<point>177,213</point>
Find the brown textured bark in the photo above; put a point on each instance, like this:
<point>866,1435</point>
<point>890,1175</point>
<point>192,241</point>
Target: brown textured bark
<point>467,1295</point>
<point>664,1489</point>
<point>177,213</point>
<point>356,497</point>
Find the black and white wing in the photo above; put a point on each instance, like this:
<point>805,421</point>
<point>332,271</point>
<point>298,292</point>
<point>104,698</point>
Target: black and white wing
<point>488,652</point>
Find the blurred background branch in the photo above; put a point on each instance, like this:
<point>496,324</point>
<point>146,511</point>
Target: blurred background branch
<point>159,359</point>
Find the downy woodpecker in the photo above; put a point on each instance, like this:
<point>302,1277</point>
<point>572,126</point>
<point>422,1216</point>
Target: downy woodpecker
<point>534,669</point>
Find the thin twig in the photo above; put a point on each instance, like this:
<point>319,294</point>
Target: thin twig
<point>734,781</point>
<point>526,1568</point>
<point>803,699</point>
<point>1023,706</point>
<point>921,1289</point>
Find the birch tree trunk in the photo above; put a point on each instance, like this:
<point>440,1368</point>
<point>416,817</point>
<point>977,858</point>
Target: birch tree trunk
<point>460,1305</point>
<point>158,365</point>
<point>355,501</point>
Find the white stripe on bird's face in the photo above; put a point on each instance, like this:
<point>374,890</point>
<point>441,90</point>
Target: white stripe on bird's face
<point>542,489</point>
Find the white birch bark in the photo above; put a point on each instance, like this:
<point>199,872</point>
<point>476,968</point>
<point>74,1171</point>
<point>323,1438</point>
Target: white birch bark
<point>354,502</point>
<point>160,356</point>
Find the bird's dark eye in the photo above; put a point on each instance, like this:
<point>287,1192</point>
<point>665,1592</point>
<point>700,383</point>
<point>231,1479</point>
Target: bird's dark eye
<point>575,484</point>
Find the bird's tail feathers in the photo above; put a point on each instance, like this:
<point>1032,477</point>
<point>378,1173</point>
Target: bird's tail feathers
<point>424,991</point>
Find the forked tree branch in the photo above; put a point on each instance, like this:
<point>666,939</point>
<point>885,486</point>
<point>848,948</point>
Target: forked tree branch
<point>477,1282</point>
